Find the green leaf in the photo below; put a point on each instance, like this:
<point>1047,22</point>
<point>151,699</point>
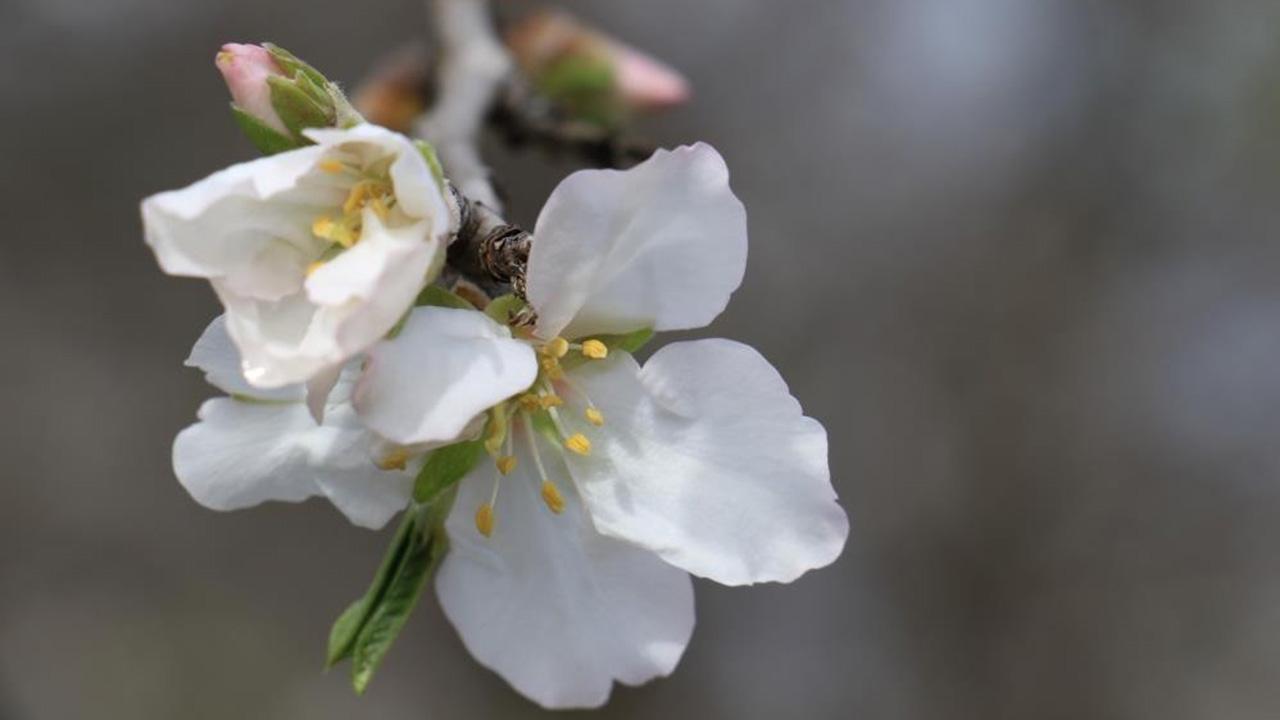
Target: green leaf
<point>386,621</point>
<point>428,542</point>
<point>297,110</point>
<point>503,308</point>
<point>265,138</point>
<point>436,296</point>
<point>342,638</point>
<point>444,468</point>
<point>429,154</point>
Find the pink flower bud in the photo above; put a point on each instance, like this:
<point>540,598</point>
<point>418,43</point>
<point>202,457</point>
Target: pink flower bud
<point>246,69</point>
<point>646,83</point>
<point>640,82</point>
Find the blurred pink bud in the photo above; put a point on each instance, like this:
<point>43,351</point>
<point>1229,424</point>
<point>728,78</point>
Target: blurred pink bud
<point>644,82</point>
<point>246,69</point>
<point>640,82</point>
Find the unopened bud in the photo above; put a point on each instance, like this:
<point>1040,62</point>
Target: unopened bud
<point>275,96</point>
<point>246,68</point>
<point>595,77</point>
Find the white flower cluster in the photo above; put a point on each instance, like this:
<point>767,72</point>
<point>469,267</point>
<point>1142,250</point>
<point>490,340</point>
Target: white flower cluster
<point>608,482</point>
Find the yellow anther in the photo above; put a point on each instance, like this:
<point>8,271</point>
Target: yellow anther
<point>530,402</point>
<point>549,401</point>
<point>314,267</point>
<point>578,443</point>
<point>322,227</point>
<point>594,416</point>
<point>326,228</point>
<point>394,460</point>
<point>356,198</point>
<point>552,497</point>
<point>556,348</point>
<point>551,368</point>
<point>506,464</point>
<point>484,519</point>
<point>595,349</point>
<point>332,166</point>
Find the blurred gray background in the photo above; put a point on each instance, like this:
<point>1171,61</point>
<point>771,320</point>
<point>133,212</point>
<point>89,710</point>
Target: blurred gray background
<point>1020,257</point>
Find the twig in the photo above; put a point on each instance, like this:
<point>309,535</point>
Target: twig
<point>473,63</point>
<point>524,116</point>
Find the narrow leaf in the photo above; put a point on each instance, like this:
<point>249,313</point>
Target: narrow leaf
<point>389,617</point>
<point>427,546</point>
<point>342,637</point>
<point>444,468</point>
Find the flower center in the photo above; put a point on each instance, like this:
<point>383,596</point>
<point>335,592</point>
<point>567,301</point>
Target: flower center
<point>535,419</point>
<point>371,188</point>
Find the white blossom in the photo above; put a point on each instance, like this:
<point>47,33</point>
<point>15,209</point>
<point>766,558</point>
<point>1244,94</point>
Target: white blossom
<point>570,554</point>
<point>315,253</point>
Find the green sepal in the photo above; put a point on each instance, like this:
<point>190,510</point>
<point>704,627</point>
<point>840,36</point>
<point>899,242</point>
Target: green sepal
<point>626,342</point>
<point>292,65</point>
<point>265,138</point>
<point>297,110</point>
<point>436,296</point>
<point>445,467</point>
<point>504,308</point>
<point>433,161</point>
<point>318,93</point>
<point>586,88</point>
<point>620,342</point>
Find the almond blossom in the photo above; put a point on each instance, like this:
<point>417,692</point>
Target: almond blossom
<point>315,253</point>
<point>612,481</point>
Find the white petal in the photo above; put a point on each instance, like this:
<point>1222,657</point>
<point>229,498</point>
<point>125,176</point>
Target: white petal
<point>239,224</point>
<point>707,459</point>
<point>318,389</point>
<point>349,303</point>
<point>373,266</point>
<point>661,245</point>
<point>349,476</point>
<point>415,187</point>
<point>445,367</point>
<point>244,453</point>
<point>217,356</point>
<point>556,609</point>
